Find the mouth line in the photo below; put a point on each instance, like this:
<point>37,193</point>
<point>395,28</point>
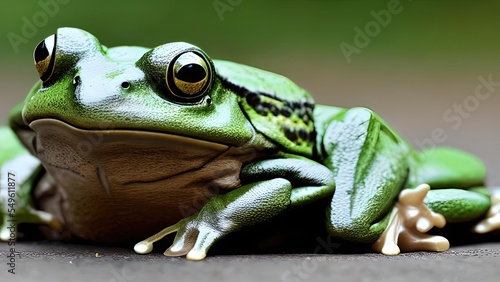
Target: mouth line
<point>116,134</point>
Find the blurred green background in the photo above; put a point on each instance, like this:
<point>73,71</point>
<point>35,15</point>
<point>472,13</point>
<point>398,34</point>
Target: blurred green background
<point>421,64</point>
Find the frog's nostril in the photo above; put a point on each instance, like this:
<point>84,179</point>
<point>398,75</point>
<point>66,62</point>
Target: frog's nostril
<point>76,80</point>
<point>125,85</point>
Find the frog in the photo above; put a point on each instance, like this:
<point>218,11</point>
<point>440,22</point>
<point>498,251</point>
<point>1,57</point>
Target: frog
<point>132,144</point>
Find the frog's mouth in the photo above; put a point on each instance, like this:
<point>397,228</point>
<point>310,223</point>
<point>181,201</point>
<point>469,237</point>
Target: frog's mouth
<point>120,157</point>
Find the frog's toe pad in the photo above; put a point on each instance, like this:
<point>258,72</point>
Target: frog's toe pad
<point>146,246</point>
<point>390,250</point>
<point>194,243</point>
<point>196,255</point>
<point>143,247</point>
<point>492,220</point>
<point>193,239</point>
<point>181,246</point>
<point>4,235</point>
<point>409,221</point>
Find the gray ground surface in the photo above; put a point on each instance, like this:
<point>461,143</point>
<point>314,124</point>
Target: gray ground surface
<point>45,261</point>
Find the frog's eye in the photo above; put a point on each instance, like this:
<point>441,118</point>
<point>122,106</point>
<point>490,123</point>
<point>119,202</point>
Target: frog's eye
<point>45,56</point>
<point>188,76</point>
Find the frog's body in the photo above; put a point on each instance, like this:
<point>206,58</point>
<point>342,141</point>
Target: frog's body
<point>132,140</point>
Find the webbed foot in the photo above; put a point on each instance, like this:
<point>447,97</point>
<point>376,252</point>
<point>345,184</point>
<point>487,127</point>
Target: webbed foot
<point>27,215</point>
<point>492,220</point>
<point>189,240</point>
<point>16,204</point>
<point>410,220</point>
<point>223,214</point>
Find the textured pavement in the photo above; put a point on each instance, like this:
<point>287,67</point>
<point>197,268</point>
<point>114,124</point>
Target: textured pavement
<point>45,261</point>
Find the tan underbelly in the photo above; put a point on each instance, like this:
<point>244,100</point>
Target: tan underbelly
<point>127,190</point>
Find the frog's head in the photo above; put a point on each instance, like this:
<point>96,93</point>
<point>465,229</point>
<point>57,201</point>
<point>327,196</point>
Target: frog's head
<point>127,121</point>
<point>171,89</point>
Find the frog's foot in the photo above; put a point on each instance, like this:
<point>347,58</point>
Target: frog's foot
<point>492,220</point>
<point>223,214</point>
<point>47,219</point>
<point>27,215</point>
<point>189,240</point>
<point>409,221</point>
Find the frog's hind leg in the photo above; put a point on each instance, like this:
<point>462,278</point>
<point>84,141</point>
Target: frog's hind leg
<point>19,174</point>
<point>453,176</point>
<point>445,168</point>
<point>419,209</point>
<point>410,220</point>
<point>369,163</point>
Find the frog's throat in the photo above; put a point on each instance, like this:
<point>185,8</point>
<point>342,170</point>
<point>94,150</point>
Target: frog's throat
<point>110,182</point>
<point>69,149</point>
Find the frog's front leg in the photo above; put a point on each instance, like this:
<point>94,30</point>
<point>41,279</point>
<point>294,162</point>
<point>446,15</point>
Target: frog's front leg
<point>19,174</point>
<point>370,165</point>
<point>292,182</point>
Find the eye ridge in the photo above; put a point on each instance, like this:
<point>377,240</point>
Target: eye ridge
<point>191,73</point>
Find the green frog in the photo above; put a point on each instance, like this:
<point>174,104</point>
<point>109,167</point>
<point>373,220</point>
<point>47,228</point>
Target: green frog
<point>118,144</point>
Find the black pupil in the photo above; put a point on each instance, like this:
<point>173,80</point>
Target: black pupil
<point>41,52</point>
<point>191,73</point>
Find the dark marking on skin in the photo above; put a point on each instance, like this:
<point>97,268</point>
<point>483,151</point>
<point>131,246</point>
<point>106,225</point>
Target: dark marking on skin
<point>301,111</point>
<point>309,109</point>
<point>289,133</point>
<point>286,111</point>
<point>296,105</point>
<point>261,110</point>
<point>253,99</point>
<point>274,110</point>
<point>300,128</point>
<point>312,136</point>
<point>243,92</point>
<point>303,134</point>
